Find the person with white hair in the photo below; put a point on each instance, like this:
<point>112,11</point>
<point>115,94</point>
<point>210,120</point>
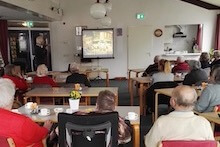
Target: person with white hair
<point>20,128</point>
<point>196,75</point>
<point>216,57</point>
<point>76,77</point>
<point>42,76</point>
<point>40,51</point>
<point>181,66</point>
<point>153,68</point>
<point>182,123</point>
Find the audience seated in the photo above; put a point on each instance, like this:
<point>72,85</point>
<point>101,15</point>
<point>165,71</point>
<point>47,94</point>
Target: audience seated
<point>181,66</point>
<point>153,68</point>
<point>210,96</point>
<point>204,60</point>
<point>42,76</point>
<point>196,74</point>
<point>75,77</point>
<point>216,58</point>
<point>106,103</point>
<point>18,80</point>
<point>20,128</point>
<point>182,123</point>
<point>164,73</point>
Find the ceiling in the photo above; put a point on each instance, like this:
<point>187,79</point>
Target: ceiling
<point>12,14</point>
<point>207,4</point>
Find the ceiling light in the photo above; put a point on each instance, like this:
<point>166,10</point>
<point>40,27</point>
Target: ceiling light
<point>106,21</point>
<point>98,10</point>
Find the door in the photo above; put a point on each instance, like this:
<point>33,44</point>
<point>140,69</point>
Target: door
<point>20,49</point>
<point>140,41</point>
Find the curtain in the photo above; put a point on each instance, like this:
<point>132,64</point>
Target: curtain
<point>217,36</point>
<point>4,40</point>
<point>199,36</point>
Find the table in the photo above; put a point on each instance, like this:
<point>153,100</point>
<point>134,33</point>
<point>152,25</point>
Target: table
<point>167,92</point>
<point>60,77</point>
<point>61,92</point>
<point>141,81</point>
<point>122,110</point>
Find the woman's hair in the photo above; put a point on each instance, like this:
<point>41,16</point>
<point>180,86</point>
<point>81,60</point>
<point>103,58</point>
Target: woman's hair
<point>164,66</point>
<point>74,68</point>
<point>105,101</point>
<point>10,69</point>
<point>194,64</point>
<point>216,54</point>
<point>42,70</point>
<point>204,57</point>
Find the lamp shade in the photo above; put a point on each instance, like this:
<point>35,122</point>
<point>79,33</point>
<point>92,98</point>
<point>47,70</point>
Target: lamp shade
<point>108,6</point>
<point>97,11</point>
<point>106,21</point>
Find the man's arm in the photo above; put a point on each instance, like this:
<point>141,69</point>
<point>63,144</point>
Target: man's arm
<point>204,100</point>
<point>153,136</point>
<point>32,133</point>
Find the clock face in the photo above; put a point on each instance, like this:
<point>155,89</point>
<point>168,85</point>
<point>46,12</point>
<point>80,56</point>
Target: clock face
<point>158,32</point>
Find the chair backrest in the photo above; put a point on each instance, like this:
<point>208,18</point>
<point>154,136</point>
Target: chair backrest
<point>6,142</point>
<point>80,124</point>
<point>182,143</point>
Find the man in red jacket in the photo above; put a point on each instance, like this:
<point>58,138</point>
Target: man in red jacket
<point>20,128</point>
<point>16,77</point>
<point>181,66</point>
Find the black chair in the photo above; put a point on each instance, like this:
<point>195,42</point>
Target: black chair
<point>92,130</point>
<point>163,99</point>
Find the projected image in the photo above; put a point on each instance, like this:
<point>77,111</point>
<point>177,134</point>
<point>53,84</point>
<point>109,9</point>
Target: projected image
<point>97,43</point>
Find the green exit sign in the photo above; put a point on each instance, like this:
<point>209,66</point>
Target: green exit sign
<point>140,16</point>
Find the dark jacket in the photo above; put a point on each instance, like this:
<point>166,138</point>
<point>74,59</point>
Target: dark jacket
<point>204,64</point>
<point>40,55</point>
<point>215,63</point>
<point>78,78</point>
<point>195,76</point>
<point>151,69</point>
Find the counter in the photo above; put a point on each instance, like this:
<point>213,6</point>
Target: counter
<point>188,56</point>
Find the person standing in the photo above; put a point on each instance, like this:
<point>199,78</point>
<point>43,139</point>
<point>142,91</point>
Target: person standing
<point>40,52</point>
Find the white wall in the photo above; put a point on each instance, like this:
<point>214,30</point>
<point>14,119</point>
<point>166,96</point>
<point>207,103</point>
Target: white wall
<point>39,6</point>
<point>158,13</point>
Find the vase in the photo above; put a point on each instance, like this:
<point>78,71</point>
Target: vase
<point>74,104</point>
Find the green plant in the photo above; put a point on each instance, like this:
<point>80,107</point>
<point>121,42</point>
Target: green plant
<point>75,94</point>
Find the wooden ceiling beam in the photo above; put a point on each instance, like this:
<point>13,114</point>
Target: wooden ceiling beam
<point>202,4</point>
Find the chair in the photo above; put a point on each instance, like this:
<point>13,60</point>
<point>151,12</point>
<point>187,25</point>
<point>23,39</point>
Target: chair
<point>6,142</point>
<point>194,143</point>
<point>150,93</point>
<point>93,130</point>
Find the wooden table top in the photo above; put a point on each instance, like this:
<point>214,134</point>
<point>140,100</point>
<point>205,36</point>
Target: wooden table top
<point>168,91</point>
<point>137,70</point>
<point>65,92</point>
<point>211,116</point>
<point>122,110</point>
<point>147,80</point>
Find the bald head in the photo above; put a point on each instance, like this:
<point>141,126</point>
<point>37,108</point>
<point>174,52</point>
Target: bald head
<point>180,59</point>
<point>184,98</point>
<point>156,59</point>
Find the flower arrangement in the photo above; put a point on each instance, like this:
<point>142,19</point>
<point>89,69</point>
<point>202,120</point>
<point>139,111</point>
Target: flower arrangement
<point>75,94</point>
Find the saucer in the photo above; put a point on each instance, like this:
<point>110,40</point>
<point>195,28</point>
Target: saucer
<point>43,115</point>
<point>136,117</point>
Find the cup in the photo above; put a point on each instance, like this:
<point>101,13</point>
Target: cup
<point>132,115</point>
<point>29,105</point>
<point>58,110</point>
<point>44,112</point>
<point>69,111</point>
<point>29,79</point>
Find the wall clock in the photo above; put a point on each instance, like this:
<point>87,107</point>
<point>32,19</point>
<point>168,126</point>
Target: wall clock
<point>158,32</point>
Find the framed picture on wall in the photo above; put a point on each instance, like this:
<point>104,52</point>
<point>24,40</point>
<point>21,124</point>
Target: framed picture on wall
<point>79,30</point>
